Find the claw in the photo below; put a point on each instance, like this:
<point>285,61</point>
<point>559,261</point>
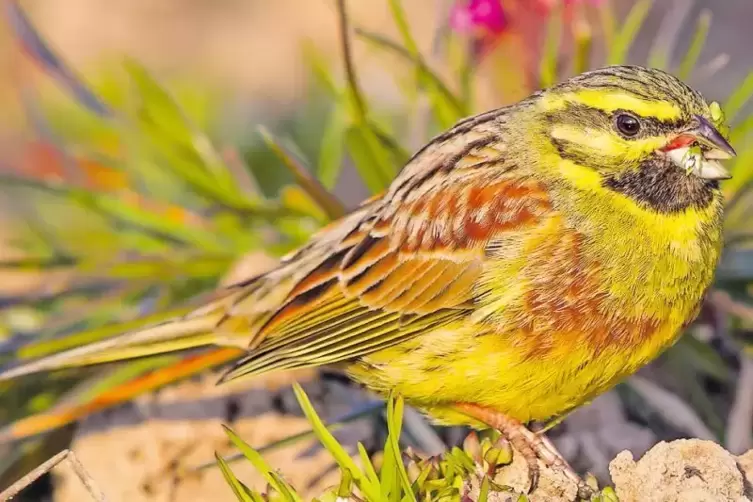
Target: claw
<point>532,446</point>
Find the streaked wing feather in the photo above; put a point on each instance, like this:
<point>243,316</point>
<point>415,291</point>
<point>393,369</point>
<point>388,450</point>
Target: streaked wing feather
<point>412,263</point>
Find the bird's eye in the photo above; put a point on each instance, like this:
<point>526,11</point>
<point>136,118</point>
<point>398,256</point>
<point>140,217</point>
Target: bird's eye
<point>627,124</point>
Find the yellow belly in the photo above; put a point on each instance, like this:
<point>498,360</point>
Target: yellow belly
<point>457,364</point>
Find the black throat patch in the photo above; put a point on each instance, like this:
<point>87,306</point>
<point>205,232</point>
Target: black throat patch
<point>662,186</point>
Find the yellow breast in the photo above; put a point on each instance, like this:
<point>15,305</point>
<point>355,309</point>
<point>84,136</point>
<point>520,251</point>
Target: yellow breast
<point>564,312</point>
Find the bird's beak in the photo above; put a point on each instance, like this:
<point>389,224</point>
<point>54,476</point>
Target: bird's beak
<point>699,149</point>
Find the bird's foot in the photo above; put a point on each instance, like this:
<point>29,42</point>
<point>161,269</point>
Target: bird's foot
<point>532,446</point>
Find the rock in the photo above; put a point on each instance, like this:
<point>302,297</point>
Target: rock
<point>686,470</point>
<point>553,485</point>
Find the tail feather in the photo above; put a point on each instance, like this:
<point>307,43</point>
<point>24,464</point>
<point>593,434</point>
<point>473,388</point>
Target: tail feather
<point>169,336</point>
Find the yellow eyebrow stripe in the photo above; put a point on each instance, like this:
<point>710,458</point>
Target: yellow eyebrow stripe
<point>610,101</point>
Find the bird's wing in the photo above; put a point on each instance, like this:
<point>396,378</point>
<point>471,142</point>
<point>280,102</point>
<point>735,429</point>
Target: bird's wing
<point>412,263</point>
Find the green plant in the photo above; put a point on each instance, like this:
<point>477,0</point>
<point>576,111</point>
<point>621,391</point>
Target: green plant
<point>401,477</point>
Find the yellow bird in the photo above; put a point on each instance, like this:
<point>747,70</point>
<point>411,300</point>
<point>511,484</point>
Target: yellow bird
<point>521,263</point>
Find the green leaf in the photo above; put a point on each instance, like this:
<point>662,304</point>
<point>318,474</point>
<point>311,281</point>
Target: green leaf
<point>608,23</point>
<point>241,491</point>
<point>548,65</point>
<point>184,149</point>
<point>331,444</point>
<point>371,159</point>
<point>483,495</point>
<point>742,129</point>
<point>696,45</point>
<point>368,466</point>
<point>394,425</point>
<point>332,149</point>
<point>625,37</point>
<point>319,65</point>
<point>328,202</point>
<point>287,492</point>
<point>739,97</point>
<point>583,47</point>
<point>388,476</point>
<point>261,465</point>
<point>447,112</point>
<point>447,107</point>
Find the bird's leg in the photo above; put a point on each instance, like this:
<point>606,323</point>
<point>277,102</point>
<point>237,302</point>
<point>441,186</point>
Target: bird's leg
<point>531,445</point>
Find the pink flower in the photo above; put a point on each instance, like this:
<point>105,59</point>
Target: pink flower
<point>487,22</point>
<point>480,17</point>
<point>483,20</point>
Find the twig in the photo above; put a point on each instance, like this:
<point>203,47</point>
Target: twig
<point>46,467</point>
<point>740,420</point>
<point>350,71</point>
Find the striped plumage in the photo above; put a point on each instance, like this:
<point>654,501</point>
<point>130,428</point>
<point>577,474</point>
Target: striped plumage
<point>521,263</point>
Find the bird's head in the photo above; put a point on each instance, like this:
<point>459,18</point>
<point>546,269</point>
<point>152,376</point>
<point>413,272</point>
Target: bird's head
<point>637,131</point>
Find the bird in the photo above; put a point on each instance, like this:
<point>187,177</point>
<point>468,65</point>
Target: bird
<point>520,264</point>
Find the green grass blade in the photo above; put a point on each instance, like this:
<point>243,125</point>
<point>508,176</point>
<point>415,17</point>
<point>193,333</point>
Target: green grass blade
<point>339,423</point>
<point>447,105</point>
<point>371,159</point>
<point>332,149</point>
<point>388,477</point>
<point>583,47</point>
<point>690,59</point>
<point>287,492</point>
<point>328,202</point>
<point>395,424</point>
<point>607,22</point>
<point>260,464</point>
<point>331,444</point>
<point>549,60</point>
<point>739,97</point>
<point>399,154</point>
<point>741,130</point>
<point>367,465</point>
<point>624,38</point>
<point>165,129</point>
<point>242,493</point>
<point>398,15</point>
<point>447,112</point>
<point>318,64</point>
<point>483,495</point>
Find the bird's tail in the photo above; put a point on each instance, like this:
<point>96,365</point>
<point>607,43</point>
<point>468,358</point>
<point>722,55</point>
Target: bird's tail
<point>214,323</point>
<point>169,336</point>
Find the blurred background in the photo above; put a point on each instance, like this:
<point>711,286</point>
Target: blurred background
<point>150,151</point>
